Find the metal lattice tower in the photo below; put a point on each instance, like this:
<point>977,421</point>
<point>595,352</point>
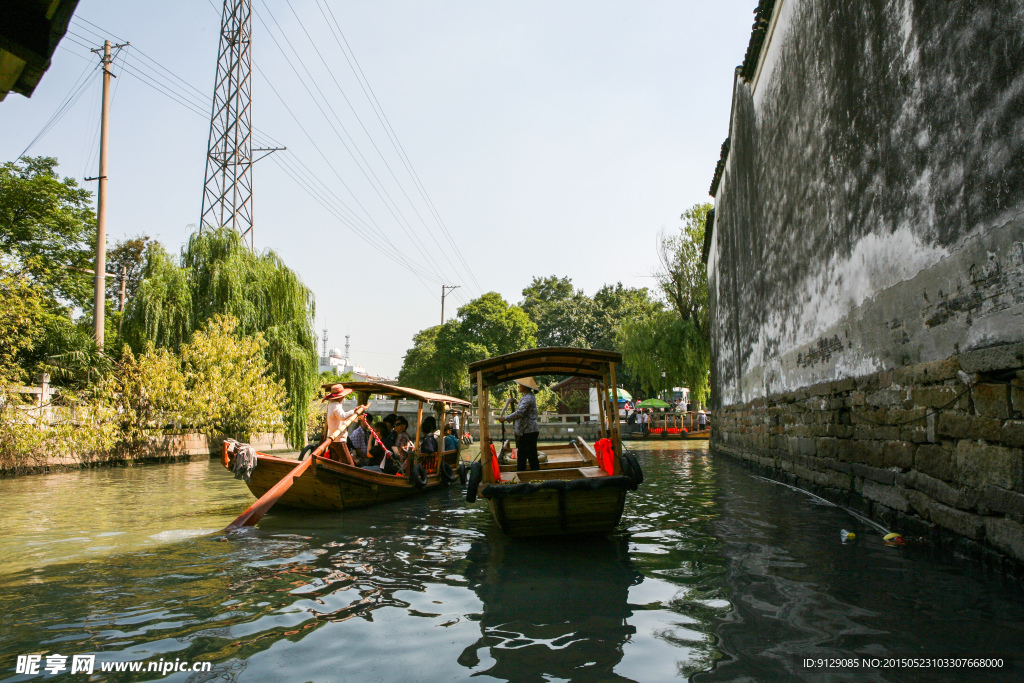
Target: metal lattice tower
<point>227,186</point>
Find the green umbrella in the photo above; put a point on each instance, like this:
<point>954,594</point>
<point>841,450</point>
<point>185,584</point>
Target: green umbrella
<point>652,403</point>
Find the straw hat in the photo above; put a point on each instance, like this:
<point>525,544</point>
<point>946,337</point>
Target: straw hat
<point>527,382</point>
<point>337,392</point>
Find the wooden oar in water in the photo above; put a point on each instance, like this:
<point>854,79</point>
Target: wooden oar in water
<point>255,512</point>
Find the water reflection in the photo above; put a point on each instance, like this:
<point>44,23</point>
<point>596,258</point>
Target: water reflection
<point>550,606</point>
<point>712,571</point>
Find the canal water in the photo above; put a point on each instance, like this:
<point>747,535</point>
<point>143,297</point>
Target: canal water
<point>715,575</point>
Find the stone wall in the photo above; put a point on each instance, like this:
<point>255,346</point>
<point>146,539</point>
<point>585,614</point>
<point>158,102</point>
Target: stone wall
<point>934,449</point>
<point>867,245</point>
<point>869,213</point>
<point>159,449</point>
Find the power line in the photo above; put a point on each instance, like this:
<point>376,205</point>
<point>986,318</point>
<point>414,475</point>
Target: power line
<point>392,207</point>
<point>172,86</point>
<point>412,205</point>
<point>371,97</point>
<point>69,101</point>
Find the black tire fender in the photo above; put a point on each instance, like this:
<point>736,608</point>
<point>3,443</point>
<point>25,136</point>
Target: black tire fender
<point>309,448</point>
<point>419,476</point>
<point>447,475</point>
<point>631,467</point>
<point>476,475</point>
<point>463,473</point>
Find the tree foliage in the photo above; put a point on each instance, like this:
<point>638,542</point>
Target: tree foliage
<point>683,276</point>
<point>218,275</point>
<point>564,315</point>
<point>47,229</point>
<point>665,342</point>
<point>22,312</point>
<point>127,260</point>
<point>485,327</point>
<point>220,384</point>
<point>675,341</point>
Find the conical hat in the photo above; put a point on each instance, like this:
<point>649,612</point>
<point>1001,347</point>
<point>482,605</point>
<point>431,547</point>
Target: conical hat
<point>527,382</point>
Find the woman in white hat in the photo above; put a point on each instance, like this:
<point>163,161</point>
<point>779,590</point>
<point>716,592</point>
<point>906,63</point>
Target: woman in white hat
<point>526,428</point>
<point>336,414</point>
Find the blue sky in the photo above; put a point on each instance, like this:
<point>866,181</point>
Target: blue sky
<point>552,138</point>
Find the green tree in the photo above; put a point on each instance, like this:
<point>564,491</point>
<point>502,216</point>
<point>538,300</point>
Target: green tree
<point>219,275</point>
<point>664,342</point>
<point>617,304</point>
<point>683,276</point>
<point>229,381</point>
<point>220,384</point>
<point>22,315</point>
<point>47,229</point>
<point>127,260</point>
<point>485,327</point>
<point>419,366</point>
<point>675,341</point>
<point>564,315</point>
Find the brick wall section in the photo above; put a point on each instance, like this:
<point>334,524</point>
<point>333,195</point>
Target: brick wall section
<point>917,448</point>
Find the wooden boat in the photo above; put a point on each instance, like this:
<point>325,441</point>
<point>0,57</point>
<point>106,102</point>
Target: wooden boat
<point>331,485</point>
<point>576,491</point>
<point>673,425</point>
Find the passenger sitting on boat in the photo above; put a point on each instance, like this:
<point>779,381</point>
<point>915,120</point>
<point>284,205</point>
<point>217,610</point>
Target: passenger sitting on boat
<point>526,429</point>
<point>451,442</point>
<point>376,454</point>
<point>336,414</point>
<point>403,444</point>
<point>359,442</point>
<point>428,442</point>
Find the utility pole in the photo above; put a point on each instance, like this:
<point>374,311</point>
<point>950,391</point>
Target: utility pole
<point>101,196</point>
<point>444,292</point>
<point>124,275</point>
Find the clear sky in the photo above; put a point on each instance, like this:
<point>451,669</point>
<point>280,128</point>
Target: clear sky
<point>552,138</point>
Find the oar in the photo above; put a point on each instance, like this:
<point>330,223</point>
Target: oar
<point>255,512</point>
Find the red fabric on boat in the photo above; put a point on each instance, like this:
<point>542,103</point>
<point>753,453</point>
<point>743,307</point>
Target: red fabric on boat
<point>495,468</point>
<point>605,455</point>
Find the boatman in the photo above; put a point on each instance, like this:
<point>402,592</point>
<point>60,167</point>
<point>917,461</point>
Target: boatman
<point>336,414</point>
<point>526,428</point>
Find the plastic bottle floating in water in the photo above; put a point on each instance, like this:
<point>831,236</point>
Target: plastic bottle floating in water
<point>847,535</point>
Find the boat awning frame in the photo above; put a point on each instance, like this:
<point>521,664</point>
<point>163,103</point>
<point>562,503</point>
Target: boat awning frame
<point>553,360</point>
<point>394,391</point>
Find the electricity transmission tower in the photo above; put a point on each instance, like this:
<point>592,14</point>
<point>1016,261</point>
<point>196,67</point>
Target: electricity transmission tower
<point>227,186</point>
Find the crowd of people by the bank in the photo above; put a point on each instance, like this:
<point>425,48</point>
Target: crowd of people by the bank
<point>382,444</point>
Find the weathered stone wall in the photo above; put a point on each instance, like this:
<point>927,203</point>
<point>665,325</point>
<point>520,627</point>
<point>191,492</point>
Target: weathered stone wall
<point>868,243</point>
<point>870,212</point>
<point>918,447</point>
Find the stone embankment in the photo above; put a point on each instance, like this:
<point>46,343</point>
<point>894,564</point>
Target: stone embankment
<point>162,449</point>
<point>933,450</point>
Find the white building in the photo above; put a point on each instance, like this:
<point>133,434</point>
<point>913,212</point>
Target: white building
<point>340,363</point>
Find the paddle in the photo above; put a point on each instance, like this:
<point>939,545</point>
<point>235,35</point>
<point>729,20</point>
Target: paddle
<point>256,511</point>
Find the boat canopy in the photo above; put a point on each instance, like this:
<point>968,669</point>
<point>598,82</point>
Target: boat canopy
<point>552,360</point>
<point>395,391</point>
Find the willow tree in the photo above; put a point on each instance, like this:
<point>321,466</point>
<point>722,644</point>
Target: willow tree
<point>674,341</point>
<point>665,342</point>
<point>219,275</point>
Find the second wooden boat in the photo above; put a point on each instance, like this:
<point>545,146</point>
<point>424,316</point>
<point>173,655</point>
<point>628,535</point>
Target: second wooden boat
<point>332,485</point>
